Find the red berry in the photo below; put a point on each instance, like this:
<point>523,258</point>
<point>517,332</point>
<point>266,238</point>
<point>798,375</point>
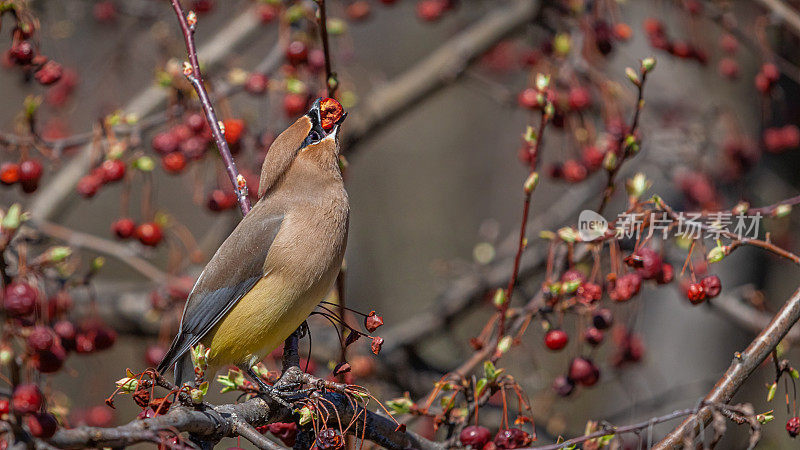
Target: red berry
<point>49,73</point>
<point>793,426</point>
<point>83,343</point>
<point>729,68</point>
<point>647,263</point>
<point>653,27</point>
<point>66,332</point>
<point>593,336</point>
<point>40,339</point>
<point>99,416</point>
<point>174,162</point>
<point>589,293</point>
<point>563,386</point>
<point>285,431</point>
<point>358,10</point>
<point>512,438</point>
<point>202,6</point>
<point>154,354</point>
<point>42,425</point>
<point>267,12</point>
<point>790,135</point>
<point>294,104</point>
<point>603,318</point>
<point>475,436</point>
<point>763,85</point>
<point>573,171</point>
<point>681,49</point>
<point>296,53</point>
<point>711,286</point>
<point>583,371</point>
<point>89,185</point>
<point>729,43</point>
<point>123,228</point>
<point>30,171</point>
<point>165,142</point>
<point>51,360</point>
<point>22,52</point>
<point>219,200</point>
<point>771,72</point>
<point>256,83</point>
<point>20,299</point>
<point>233,130</point>
<point>9,173</point>
<point>622,31</point>
<point>149,233</point>
<point>773,140</point>
<point>102,337</point>
<point>194,148</point>
<point>104,11</point>
<point>579,98</point>
<point>556,339</point>
<point>592,157</point>
<point>626,287</point>
<point>27,399</point>
<point>529,98</point>
<point>112,170</point>
<point>695,293</point>
<point>196,122</point>
<point>430,10</point>
<point>5,408</point>
<point>666,275</point>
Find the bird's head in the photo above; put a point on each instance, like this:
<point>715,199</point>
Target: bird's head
<point>314,136</point>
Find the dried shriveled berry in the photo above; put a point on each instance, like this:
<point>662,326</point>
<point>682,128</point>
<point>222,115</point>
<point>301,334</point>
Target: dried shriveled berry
<point>373,321</point>
<point>695,293</point>
<point>330,111</point>
<point>512,438</point>
<point>712,286</point>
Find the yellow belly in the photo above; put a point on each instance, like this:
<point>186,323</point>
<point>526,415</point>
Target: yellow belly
<point>260,321</point>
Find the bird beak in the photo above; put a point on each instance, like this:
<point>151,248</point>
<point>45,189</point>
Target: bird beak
<point>315,115</point>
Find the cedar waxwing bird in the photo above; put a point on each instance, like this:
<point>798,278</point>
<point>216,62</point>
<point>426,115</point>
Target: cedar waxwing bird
<point>278,263</point>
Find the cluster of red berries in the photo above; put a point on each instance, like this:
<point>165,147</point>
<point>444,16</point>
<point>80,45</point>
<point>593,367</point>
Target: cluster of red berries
<point>24,54</point>
<point>656,33</point>
<point>708,287</point>
<point>767,77</point>
<point>27,401</point>
<point>27,174</point>
<point>109,171</point>
<point>780,139</point>
<point>148,233</point>
<point>480,438</point>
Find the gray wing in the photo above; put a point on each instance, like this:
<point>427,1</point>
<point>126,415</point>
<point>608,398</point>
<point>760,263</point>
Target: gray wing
<point>237,266</point>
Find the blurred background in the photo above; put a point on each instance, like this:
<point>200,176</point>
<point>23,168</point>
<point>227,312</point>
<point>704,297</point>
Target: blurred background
<point>435,187</point>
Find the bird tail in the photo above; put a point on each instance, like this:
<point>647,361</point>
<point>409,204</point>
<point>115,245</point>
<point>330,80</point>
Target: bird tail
<point>178,357</point>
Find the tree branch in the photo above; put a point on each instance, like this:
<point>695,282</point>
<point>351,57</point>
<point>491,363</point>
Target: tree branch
<point>743,365</point>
